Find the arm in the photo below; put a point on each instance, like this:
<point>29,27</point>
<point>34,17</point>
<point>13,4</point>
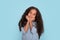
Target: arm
<point>25,28</point>
<point>27,24</point>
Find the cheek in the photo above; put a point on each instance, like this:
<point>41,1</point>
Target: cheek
<point>29,14</point>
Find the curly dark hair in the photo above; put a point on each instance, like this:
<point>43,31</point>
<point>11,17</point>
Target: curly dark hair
<point>38,20</point>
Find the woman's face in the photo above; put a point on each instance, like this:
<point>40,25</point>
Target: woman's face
<point>32,14</point>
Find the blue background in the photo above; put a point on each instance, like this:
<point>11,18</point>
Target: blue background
<point>12,10</point>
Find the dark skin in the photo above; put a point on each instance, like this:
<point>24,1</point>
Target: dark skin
<point>30,17</point>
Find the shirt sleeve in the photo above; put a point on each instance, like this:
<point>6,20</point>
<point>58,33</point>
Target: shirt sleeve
<point>33,30</point>
<point>34,33</point>
<point>23,30</point>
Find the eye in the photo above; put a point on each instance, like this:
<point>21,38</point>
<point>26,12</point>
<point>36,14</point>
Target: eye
<point>30,12</point>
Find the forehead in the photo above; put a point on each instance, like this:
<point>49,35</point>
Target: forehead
<point>33,10</point>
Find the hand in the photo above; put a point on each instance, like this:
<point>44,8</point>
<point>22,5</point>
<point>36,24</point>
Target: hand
<point>27,18</point>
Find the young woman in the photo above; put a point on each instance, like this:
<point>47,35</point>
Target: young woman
<point>31,24</point>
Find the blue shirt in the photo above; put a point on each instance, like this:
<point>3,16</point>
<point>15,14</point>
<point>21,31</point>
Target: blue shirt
<point>30,34</point>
